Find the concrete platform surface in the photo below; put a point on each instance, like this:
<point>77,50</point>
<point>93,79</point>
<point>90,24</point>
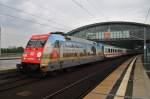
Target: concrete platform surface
<point>8,64</point>
<point>129,81</point>
<point>10,58</point>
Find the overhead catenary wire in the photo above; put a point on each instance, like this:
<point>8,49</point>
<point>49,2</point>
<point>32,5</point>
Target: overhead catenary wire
<point>145,34</point>
<point>95,8</point>
<point>82,7</point>
<point>60,14</point>
<point>145,19</point>
<point>31,21</point>
<point>22,11</point>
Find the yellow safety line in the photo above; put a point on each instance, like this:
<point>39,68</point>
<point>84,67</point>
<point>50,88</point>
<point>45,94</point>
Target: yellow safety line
<point>103,89</point>
<point>122,89</point>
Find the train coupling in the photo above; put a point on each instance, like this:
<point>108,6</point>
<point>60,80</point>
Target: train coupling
<point>19,67</point>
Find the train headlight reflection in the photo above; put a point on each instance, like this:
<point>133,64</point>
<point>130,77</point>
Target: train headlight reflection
<point>39,54</point>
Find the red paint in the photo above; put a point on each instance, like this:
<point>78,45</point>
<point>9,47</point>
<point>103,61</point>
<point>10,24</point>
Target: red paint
<point>54,54</point>
<point>106,35</point>
<point>40,37</point>
<point>30,54</point>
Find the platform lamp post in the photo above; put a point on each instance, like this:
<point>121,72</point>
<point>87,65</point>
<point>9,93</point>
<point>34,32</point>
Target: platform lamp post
<point>0,38</point>
<point>145,34</point>
<point>145,52</point>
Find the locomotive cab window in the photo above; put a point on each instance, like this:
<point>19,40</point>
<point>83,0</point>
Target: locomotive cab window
<point>36,43</point>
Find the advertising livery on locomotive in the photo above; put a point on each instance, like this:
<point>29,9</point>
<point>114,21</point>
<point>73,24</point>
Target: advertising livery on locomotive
<point>56,51</point>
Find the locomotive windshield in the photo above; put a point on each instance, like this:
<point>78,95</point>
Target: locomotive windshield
<point>36,43</point>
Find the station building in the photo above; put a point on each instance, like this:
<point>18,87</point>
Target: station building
<point>129,35</point>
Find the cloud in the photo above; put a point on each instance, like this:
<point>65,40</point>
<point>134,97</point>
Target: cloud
<point>11,37</point>
<point>64,15</point>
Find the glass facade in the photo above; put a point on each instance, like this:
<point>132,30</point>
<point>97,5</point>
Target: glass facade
<point>112,31</point>
<point>128,35</point>
<point>148,50</point>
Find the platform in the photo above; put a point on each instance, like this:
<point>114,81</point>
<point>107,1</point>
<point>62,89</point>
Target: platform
<point>129,80</point>
<point>10,58</point>
<point>8,64</point>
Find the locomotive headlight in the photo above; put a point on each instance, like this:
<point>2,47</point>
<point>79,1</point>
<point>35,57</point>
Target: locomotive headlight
<point>24,55</point>
<point>39,54</point>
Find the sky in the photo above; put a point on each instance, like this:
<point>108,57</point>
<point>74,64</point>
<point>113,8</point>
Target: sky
<point>19,19</point>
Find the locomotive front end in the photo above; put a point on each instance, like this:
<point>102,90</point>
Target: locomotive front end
<point>32,55</point>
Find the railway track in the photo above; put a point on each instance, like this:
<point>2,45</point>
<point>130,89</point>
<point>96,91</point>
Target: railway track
<point>17,83</point>
<point>83,85</point>
<point>12,79</point>
<point>9,74</point>
<point>66,85</point>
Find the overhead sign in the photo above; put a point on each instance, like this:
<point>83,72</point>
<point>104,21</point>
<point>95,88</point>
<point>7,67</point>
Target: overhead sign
<point>106,35</point>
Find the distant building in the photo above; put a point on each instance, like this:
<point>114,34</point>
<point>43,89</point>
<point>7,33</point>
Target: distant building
<point>148,50</point>
<point>124,34</point>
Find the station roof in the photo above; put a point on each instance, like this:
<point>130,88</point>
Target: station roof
<point>108,23</point>
<point>136,44</point>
